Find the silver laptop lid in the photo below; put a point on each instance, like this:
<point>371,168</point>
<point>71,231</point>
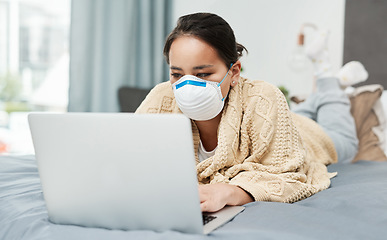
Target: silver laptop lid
<point>118,170</point>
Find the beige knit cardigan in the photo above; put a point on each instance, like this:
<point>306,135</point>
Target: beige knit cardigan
<point>270,152</point>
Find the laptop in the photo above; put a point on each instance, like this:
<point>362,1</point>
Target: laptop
<point>121,171</point>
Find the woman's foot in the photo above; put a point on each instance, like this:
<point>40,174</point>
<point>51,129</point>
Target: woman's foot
<point>352,73</point>
<point>317,51</point>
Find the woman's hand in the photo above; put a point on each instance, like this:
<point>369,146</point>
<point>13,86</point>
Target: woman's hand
<point>214,197</point>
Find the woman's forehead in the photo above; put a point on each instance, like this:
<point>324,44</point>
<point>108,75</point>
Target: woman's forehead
<point>190,50</point>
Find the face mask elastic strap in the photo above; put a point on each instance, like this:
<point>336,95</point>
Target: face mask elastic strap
<point>225,75</point>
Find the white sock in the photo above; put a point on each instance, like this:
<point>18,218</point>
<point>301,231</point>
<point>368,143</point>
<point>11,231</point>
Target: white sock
<point>352,73</point>
<point>317,51</point>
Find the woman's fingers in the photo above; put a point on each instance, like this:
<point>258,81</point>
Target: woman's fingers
<point>213,197</point>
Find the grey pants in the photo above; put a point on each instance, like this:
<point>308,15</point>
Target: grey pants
<point>330,107</point>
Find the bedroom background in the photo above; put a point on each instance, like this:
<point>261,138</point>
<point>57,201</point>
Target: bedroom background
<point>119,43</point>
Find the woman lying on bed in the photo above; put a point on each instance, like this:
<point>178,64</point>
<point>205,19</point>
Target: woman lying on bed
<point>248,145</point>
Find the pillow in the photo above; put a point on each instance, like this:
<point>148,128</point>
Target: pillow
<point>370,121</point>
<point>383,100</point>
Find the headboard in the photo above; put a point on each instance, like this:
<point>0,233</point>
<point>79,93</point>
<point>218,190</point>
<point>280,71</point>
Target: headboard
<point>365,38</point>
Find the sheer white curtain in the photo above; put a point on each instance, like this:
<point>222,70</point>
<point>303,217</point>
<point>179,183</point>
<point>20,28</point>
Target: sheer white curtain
<point>115,43</point>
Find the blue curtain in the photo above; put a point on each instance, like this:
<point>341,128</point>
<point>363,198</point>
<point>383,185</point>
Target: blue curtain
<point>112,44</point>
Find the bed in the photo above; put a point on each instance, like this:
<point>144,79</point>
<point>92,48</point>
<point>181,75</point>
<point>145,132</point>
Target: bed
<point>354,207</point>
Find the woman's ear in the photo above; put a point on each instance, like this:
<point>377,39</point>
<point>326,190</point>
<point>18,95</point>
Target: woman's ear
<point>235,73</point>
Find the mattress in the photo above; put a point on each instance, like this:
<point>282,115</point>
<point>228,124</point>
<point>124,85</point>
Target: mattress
<point>354,207</point>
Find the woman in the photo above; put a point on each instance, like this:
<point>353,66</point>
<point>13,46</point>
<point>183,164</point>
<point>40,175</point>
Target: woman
<point>248,145</point>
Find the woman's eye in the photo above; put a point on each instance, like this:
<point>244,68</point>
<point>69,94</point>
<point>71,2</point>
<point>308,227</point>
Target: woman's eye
<point>203,75</point>
<point>176,75</point>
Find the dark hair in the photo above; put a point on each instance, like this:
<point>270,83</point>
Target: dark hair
<point>210,28</point>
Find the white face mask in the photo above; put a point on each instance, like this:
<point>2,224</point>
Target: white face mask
<point>198,99</point>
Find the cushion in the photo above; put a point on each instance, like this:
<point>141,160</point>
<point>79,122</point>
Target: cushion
<point>370,121</point>
<point>130,98</point>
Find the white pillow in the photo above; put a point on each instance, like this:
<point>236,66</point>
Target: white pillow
<point>383,101</point>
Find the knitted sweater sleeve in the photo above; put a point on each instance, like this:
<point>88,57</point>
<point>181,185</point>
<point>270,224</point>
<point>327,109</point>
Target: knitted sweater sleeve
<point>159,100</point>
<point>274,164</point>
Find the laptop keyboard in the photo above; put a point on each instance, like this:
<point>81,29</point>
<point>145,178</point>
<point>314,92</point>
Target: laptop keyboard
<point>207,218</point>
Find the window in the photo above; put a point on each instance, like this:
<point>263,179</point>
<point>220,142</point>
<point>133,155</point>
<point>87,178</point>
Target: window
<point>34,61</point>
